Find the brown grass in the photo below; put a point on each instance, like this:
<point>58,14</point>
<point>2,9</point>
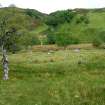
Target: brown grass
<point>46,48</point>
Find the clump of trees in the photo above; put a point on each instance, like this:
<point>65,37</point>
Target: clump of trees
<point>59,17</point>
<point>64,39</point>
<point>82,19</point>
<point>54,20</point>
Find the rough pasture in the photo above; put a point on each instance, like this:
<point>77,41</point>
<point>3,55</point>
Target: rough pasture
<point>39,78</point>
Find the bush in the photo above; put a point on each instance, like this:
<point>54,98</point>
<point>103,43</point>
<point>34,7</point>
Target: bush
<point>51,39</point>
<point>97,42</point>
<point>82,19</point>
<point>64,39</point>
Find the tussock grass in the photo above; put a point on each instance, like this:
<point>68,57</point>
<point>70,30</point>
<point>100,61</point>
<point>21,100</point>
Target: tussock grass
<point>38,78</point>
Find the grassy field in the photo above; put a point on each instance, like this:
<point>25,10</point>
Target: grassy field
<point>58,78</point>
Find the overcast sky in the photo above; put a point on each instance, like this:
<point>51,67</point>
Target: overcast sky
<point>48,6</point>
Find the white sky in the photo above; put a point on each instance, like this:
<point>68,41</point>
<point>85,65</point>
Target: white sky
<point>48,6</point>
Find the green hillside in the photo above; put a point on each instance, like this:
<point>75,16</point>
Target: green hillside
<point>86,25</point>
<point>27,22</point>
<point>60,27</point>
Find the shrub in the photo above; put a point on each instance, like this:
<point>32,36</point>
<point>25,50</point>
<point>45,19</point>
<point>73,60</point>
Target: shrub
<point>51,39</point>
<point>97,42</point>
<point>82,19</point>
<point>64,39</point>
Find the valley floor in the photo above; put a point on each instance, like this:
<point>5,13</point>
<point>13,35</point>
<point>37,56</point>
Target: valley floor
<point>65,77</point>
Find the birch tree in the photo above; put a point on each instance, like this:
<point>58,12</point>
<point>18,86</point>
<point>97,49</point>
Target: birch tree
<point>7,38</point>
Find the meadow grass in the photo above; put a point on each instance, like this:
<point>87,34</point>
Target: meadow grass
<point>39,78</point>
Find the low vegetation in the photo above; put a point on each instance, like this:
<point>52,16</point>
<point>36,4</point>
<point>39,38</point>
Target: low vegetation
<point>55,78</point>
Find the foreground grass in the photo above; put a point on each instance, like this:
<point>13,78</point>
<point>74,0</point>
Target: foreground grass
<point>59,78</point>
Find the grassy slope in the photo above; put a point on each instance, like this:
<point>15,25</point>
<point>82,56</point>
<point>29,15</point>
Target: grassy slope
<point>32,22</point>
<point>39,29</point>
<point>55,79</point>
<point>97,19</point>
<point>81,30</point>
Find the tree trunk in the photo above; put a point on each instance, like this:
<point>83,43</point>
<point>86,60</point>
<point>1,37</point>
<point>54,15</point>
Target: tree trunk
<point>41,42</point>
<point>5,64</point>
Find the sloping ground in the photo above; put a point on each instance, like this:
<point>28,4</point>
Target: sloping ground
<point>86,33</point>
<point>28,19</point>
<point>33,22</point>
